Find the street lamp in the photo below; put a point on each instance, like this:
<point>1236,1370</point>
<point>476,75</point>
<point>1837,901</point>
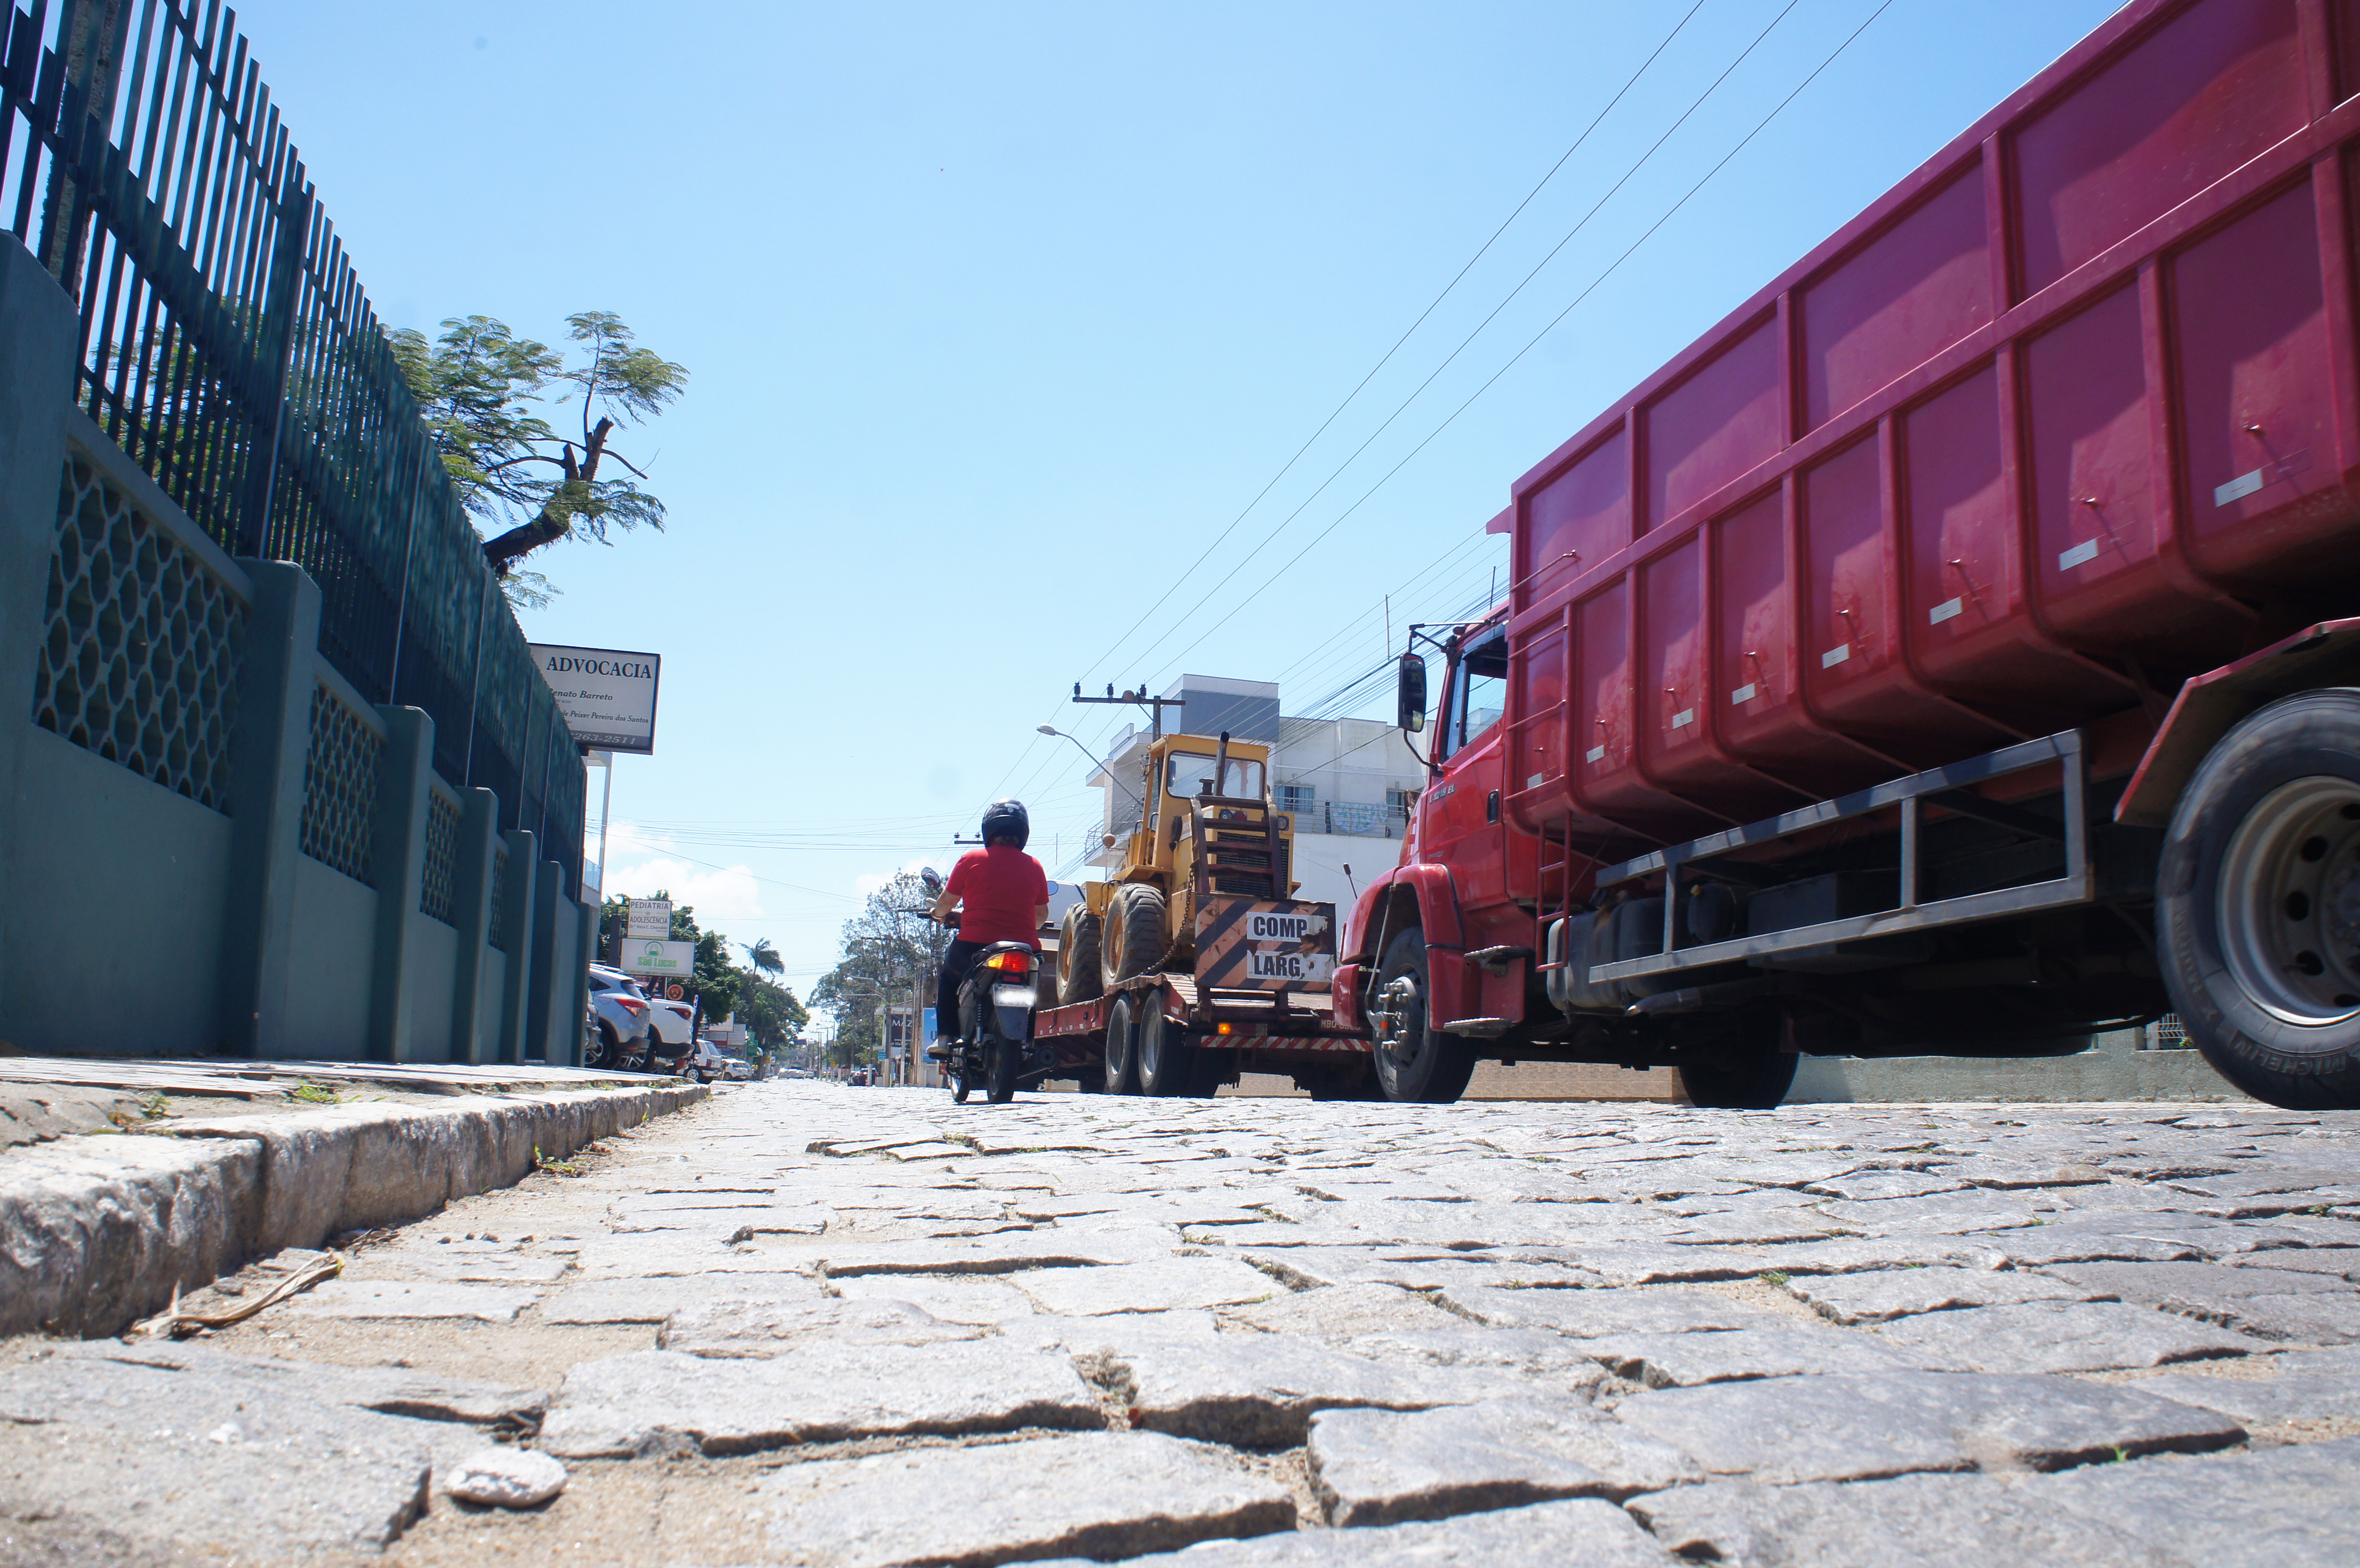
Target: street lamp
<point>1053,730</point>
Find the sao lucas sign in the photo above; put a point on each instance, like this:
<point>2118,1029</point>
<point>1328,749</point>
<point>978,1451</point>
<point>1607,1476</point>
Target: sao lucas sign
<point>608,698</point>
<point>659,958</point>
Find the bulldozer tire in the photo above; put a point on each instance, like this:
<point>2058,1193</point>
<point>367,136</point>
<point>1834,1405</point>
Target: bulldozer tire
<point>1078,979</point>
<point>1132,941</point>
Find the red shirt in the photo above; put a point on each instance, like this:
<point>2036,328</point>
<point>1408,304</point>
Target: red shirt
<point>1000,889</point>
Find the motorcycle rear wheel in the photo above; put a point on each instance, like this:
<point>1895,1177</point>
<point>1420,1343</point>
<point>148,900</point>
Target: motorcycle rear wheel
<point>1000,1085</point>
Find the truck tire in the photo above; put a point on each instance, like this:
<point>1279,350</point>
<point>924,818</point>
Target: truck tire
<point>1166,1057</point>
<point>2257,903</point>
<point>1416,1063</point>
<point>1757,1081</point>
<point>1078,979</point>
<point>1121,1074</point>
<point>1132,942</point>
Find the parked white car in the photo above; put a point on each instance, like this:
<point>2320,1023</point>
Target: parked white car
<point>618,1021</point>
<point>672,1035</point>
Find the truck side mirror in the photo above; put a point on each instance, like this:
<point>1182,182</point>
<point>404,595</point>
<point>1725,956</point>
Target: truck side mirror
<point>1409,703</point>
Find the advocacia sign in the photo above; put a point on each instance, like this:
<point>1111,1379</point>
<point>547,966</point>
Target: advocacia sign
<point>608,698</point>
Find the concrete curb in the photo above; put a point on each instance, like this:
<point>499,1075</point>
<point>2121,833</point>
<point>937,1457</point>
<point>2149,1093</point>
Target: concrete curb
<point>2103,1074</point>
<point>96,1231</point>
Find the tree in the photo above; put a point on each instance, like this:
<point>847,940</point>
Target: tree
<point>768,1009</point>
<point>480,389</point>
<point>891,951</point>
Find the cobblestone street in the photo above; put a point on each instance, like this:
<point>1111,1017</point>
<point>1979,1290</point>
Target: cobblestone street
<point>805,1324</point>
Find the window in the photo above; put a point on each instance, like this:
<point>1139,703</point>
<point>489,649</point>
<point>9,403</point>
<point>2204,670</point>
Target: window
<point>1298,799</point>
<point>1185,772</point>
<point>1478,693</point>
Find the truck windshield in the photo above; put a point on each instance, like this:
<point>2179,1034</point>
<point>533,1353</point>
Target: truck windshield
<point>1185,773</point>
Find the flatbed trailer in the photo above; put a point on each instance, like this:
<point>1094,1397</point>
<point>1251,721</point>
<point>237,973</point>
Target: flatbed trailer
<point>1286,1031</point>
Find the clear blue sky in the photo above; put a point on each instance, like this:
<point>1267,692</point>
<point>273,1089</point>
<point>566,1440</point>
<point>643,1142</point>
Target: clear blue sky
<point>997,316</point>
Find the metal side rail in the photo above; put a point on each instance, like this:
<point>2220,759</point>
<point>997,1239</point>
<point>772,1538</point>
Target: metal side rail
<point>1910,795</point>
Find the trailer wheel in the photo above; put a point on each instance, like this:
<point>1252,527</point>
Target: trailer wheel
<point>1756,1081</point>
<point>1131,941</point>
<point>2257,904</point>
<point>1121,1077</point>
<point>1416,1063</point>
<point>1167,1058</point>
<point>1078,979</point>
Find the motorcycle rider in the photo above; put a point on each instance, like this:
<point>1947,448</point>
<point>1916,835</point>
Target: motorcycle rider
<point>995,888</point>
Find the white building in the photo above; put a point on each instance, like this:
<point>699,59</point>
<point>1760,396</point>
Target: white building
<point>1348,782</point>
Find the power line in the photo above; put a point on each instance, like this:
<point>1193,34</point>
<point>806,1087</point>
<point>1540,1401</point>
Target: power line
<point>1432,305</point>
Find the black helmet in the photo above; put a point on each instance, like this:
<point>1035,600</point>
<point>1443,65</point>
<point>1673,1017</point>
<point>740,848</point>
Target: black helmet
<point>1006,818</point>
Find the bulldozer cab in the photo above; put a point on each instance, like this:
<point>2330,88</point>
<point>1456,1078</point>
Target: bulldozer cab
<point>1211,849</point>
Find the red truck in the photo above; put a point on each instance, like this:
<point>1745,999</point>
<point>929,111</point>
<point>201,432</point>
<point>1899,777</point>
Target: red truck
<point>1946,652</point>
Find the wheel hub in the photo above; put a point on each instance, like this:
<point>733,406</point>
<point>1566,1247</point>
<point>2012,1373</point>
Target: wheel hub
<point>1400,996</point>
<point>2290,903</point>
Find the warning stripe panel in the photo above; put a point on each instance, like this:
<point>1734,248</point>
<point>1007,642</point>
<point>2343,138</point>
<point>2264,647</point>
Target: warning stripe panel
<point>1262,945</point>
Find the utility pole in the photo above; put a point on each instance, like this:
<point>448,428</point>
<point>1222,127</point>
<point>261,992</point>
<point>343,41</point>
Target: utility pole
<point>1138,698</point>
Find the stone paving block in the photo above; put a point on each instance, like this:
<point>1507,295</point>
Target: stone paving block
<point>2342,1262</point>
<point>390,1390</point>
<point>1765,1228</point>
<point>2152,1284</point>
<point>2064,1336</point>
<point>1927,1521</point>
<point>725,1329</point>
<point>1860,1185</point>
<point>1374,1467</point>
<point>1782,1349</point>
<point>1004,1253</point>
<point>1583,1532</point>
<point>1890,1293</point>
<point>1101,1495</point>
<point>410,1299</point>
<point>486,1269</point>
<point>1862,1253</point>
<point>2282,1508</point>
<point>1159,1286</point>
<point>2311,1317</point>
<point>954,1298</point>
<point>1343,1312</point>
<point>2068,1242</point>
<point>1948,1213</point>
<point>623,1405</point>
<point>1261,1390</point>
<point>1843,1428</point>
<point>105,1462</point>
<point>1587,1313</point>
<point>1542,1355</point>
<point>2292,1395</point>
<point>1643,1263</point>
<point>654,1299</point>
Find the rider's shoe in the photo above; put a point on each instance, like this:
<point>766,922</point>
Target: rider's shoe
<point>941,1051</point>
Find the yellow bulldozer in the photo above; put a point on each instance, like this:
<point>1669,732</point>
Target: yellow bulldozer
<point>1194,948</point>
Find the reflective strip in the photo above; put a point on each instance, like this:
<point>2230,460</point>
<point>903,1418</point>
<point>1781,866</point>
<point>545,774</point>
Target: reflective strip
<point>1945,610</point>
<point>1682,719</point>
<point>1744,693</point>
<point>2080,555</point>
<point>2237,489</point>
<point>1595,754</point>
<point>1835,656</point>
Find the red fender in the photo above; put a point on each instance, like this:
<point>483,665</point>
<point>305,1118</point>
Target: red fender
<point>1445,943</point>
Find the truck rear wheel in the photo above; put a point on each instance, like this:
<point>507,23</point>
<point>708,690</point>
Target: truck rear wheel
<point>1757,1081</point>
<point>1416,1063</point>
<point>1131,941</point>
<point>1167,1058</point>
<point>2257,904</point>
<point>1077,957</point>
<point>1121,1049</point>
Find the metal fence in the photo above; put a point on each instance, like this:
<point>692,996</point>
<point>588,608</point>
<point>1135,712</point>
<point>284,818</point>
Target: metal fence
<point>227,346</point>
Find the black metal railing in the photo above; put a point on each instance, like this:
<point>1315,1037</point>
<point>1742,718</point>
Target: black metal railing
<point>228,347</point>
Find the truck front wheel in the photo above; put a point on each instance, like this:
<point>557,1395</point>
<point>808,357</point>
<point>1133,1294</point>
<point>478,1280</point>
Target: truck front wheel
<point>2257,904</point>
<point>1416,1063</point>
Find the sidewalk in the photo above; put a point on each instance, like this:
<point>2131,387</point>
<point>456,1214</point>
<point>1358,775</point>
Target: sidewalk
<point>122,1181</point>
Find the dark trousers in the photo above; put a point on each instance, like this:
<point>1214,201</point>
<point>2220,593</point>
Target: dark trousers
<point>947,1002</point>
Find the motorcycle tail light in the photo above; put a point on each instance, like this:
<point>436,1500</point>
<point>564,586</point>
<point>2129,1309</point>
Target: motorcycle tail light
<point>1019,961</point>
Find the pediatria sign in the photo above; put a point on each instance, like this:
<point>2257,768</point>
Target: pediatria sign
<point>608,698</point>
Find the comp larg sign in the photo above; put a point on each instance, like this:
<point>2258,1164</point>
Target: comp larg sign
<point>609,697</point>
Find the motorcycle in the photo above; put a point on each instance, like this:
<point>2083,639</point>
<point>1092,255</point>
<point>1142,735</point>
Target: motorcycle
<point>993,1047</point>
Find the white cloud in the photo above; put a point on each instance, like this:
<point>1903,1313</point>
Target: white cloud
<point>638,866</point>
